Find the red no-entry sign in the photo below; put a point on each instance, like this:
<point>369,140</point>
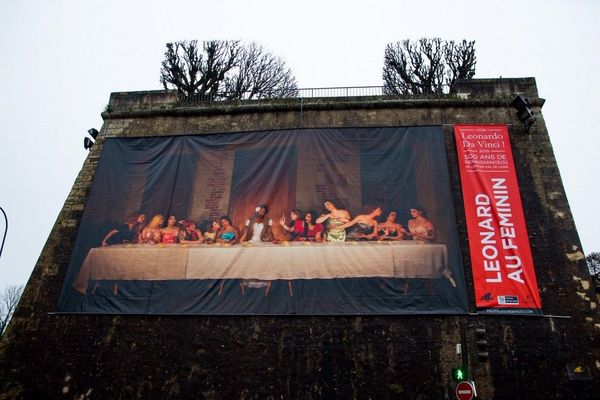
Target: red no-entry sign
<point>465,391</point>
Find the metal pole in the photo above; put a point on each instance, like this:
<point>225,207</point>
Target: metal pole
<point>5,230</point>
<point>464,343</point>
<point>301,109</point>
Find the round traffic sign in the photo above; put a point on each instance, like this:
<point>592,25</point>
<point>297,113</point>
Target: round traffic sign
<point>465,391</point>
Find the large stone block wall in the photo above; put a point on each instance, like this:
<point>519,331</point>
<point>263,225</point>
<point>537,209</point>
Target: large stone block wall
<point>46,355</point>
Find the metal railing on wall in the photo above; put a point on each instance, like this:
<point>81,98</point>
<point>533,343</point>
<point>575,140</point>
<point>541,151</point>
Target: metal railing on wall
<point>326,92</point>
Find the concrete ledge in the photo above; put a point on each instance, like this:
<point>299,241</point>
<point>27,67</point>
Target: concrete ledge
<point>497,92</point>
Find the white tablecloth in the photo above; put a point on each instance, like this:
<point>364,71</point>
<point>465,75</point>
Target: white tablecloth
<point>293,260</point>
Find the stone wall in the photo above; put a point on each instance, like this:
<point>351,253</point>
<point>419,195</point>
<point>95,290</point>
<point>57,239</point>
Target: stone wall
<point>46,355</point>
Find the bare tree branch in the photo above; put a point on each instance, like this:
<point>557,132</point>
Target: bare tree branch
<point>425,66</point>
<point>9,299</point>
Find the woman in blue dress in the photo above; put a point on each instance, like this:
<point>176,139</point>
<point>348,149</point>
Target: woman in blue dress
<point>228,233</point>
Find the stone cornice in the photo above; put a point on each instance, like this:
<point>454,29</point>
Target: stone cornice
<point>318,104</point>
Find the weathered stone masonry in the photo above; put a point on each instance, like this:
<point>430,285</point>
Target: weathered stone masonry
<point>45,355</point>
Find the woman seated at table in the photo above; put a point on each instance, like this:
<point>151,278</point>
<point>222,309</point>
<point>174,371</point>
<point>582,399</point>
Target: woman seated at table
<point>335,217</point>
<point>129,232</point>
<point>210,234</point>
<point>152,232</point>
<point>420,227</point>
<point>390,229</point>
<point>170,233</point>
<point>189,233</point>
<point>312,230</point>
<point>295,227</point>
<point>362,227</point>
<point>228,234</point>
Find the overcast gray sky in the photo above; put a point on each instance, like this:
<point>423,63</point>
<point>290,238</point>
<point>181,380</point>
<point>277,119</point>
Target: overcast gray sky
<point>60,60</point>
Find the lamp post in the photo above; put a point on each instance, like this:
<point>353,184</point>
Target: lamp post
<point>5,230</point>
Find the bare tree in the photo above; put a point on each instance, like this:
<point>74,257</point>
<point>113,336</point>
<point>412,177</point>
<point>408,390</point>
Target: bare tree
<point>425,66</point>
<point>193,71</point>
<point>225,70</point>
<point>460,60</point>
<point>9,299</point>
<point>260,74</point>
<point>593,262</point>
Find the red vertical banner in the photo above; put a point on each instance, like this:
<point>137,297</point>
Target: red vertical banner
<point>503,273</point>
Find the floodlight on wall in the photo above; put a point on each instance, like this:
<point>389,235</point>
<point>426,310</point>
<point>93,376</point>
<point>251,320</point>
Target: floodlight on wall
<point>524,111</point>
<point>87,142</point>
<point>93,133</point>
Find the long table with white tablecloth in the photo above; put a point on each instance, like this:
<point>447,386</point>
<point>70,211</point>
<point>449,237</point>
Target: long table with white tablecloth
<point>266,261</point>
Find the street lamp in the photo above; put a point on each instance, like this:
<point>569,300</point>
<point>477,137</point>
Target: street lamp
<point>5,230</point>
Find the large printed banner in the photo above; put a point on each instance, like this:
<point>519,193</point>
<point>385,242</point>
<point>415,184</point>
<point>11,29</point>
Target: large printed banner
<point>308,221</point>
<point>503,272</point>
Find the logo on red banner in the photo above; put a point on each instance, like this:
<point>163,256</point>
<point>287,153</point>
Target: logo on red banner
<point>501,260</point>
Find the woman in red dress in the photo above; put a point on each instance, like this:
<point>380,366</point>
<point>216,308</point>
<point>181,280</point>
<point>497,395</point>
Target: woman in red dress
<point>295,227</point>
<point>312,231</point>
<point>170,233</point>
